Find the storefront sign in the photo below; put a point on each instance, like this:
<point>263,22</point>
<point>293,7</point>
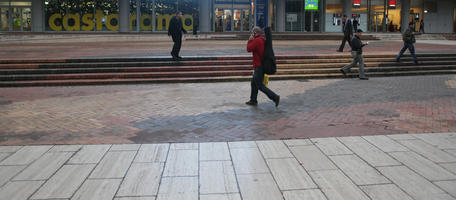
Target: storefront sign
<point>356,3</point>
<point>89,22</point>
<point>392,3</point>
<point>311,5</point>
<point>292,17</point>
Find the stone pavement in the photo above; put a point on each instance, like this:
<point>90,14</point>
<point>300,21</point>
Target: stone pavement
<point>381,167</point>
<point>215,112</point>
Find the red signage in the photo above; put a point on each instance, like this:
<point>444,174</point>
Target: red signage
<point>356,2</point>
<point>392,3</point>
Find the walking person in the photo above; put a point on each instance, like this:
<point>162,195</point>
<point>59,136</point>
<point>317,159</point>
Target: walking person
<point>175,30</point>
<point>409,39</point>
<point>348,33</point>
<point>256,46</point>
<point>357,54</point>
<point>195,23</point>
<point>422,26</point>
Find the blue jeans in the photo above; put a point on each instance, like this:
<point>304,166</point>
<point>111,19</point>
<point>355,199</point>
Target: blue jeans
<point>411,48</point>
<point>257,84</point>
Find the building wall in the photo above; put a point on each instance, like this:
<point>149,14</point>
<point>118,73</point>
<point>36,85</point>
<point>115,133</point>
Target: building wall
<point>440,21</point>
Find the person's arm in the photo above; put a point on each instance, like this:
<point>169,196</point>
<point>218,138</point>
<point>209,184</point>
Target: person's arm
<point>251,45</point>
<point>170,28</point>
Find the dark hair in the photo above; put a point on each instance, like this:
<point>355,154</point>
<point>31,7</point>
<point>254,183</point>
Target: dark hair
<point>177,12</point>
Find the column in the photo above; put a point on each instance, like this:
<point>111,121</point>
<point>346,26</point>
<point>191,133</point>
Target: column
<point>38,16</point>
<point>280,15</point>
<point>204,15</point>
<point>347,7</point>
<point>124,12</point>
<point>405,14</point>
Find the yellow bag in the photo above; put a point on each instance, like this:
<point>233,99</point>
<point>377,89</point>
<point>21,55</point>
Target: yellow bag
<point>266,80</point>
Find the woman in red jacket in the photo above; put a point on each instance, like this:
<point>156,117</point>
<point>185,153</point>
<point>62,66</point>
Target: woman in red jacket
<point>256,46</point>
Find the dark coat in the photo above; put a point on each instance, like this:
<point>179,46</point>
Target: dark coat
<point>356,44</point>
<point>175,27</point>
<point>348,28</point>
<point>269,60</point>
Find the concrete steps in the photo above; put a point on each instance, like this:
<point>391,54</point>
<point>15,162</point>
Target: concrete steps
<point>18,73</point>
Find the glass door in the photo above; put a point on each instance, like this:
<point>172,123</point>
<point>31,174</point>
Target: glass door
<point>17,19</point>
<point>245,20</point>
<point>26,19</point>
<point>218,20</point>
<point>237,19</point>
<point>4,19</point>
<point>228,20</point>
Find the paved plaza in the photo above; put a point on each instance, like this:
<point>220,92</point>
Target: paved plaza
<point>388,138</point>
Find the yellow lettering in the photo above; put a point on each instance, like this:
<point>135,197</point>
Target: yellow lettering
<point>52,24</point>
<point>160,19</point>
<point>88,23</point>
<point>189,27</point>
<point>76,26</point>
<point>99,17</point>
<point>143,26</point>
<point>108,22</point>
<point>132,21</point>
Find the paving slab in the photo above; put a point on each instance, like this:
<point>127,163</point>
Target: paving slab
<point>385,143</point>
<point>70,148</point>
<point>449,166</point>
<point>336,185</point>
<point>89,154</point>
<point>124,147</point>
<point>358,170</point>
<point>114,165</point>
<point>385,192</point>
<point>220,197</point>
<point>44,167</point>
<point>421,189</point>
<point>297,142</point>
<point>142,179</point>
<point>289,174</point>
<point>248,161</point>
<point>183,188</point>
<point>217,177</point>
<point>274,149</point>
<point>429,151</point>
<point>25,155</point>
<point>423,166</point>
<point>152,153</point>
<point>312,194</point>
<point>65,182</point>
<point>331,146</point>
<point>369,152</point>
<point>440,141</point>
<point>311,158</point>
<point>4,155</point>
<point>20,190</point>
<point>7,172</point>
<point>214,151</point>
<point>258,187</point>
<point>9,149</point>
<point>448,186</point>
<point>102,189</point>
<point>182,163</point>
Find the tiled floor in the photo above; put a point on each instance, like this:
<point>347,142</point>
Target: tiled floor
<point>381,167</point>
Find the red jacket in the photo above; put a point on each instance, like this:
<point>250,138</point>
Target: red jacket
<point>256,46</point>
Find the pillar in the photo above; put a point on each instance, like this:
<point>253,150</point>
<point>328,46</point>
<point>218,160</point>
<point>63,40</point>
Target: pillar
<point>38,20</point>
<point>347,7</point>
<point>124,12</point>
<point>204,15</point>
<point>405,14</point>
<point>280,16</point>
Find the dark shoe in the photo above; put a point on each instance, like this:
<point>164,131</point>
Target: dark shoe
<point>416,63</point>
<point>340,50</point>
<point>179,57</point>
<point>364,78</point>
<point>397,61</point>
<point>251,103</point>
<point>343,72</point>
<point>175,58</point>
<point>277,101</point>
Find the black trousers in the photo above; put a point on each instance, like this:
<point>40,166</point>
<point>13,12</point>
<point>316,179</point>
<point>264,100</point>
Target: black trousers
<point>257,84</point>
<point>177,39</point>
<point>346,39</point>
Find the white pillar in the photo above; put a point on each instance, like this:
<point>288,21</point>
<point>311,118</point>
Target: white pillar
<point>280,15</point>
<point>204,15</point>
<point>124,13</point>
<point>405,14</point>
<point>38,20</point>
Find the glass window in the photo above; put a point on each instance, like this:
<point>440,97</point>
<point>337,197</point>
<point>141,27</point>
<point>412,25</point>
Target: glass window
<point>293,15</point>
<point>4,19</point>
<point>164,11</point>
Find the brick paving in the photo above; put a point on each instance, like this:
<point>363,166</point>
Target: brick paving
<point>215,112</point>
<point>377,167</point>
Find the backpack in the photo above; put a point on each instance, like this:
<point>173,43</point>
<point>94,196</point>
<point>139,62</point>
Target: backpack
<point>269,59</point>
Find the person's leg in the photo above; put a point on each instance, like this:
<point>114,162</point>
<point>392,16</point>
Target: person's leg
<point>361,66</point>
<point>178,45</point>
<point>173,52</point>
<point>347,68</point>
<point>260,85</point>
<point>398,57</point>
<point>253,85</point>
<point>412,51</point>
<point>341,48</point>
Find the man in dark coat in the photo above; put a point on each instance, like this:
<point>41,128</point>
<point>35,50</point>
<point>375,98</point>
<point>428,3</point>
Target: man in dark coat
<point>175,31</point>
<point>348,33</point>
<point>409,39</point>
<point>357,54</point>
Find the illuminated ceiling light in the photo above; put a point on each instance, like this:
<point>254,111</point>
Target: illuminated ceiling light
<point>426,11</point>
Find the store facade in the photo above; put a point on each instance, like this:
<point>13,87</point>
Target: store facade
<point>224,15</point>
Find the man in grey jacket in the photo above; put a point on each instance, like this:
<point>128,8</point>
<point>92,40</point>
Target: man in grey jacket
<point>409,39</point>
<point>357,54</point>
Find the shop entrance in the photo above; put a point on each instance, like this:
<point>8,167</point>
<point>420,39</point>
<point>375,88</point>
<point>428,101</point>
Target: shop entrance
<point>228,20</point>
<point>15,19</point>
